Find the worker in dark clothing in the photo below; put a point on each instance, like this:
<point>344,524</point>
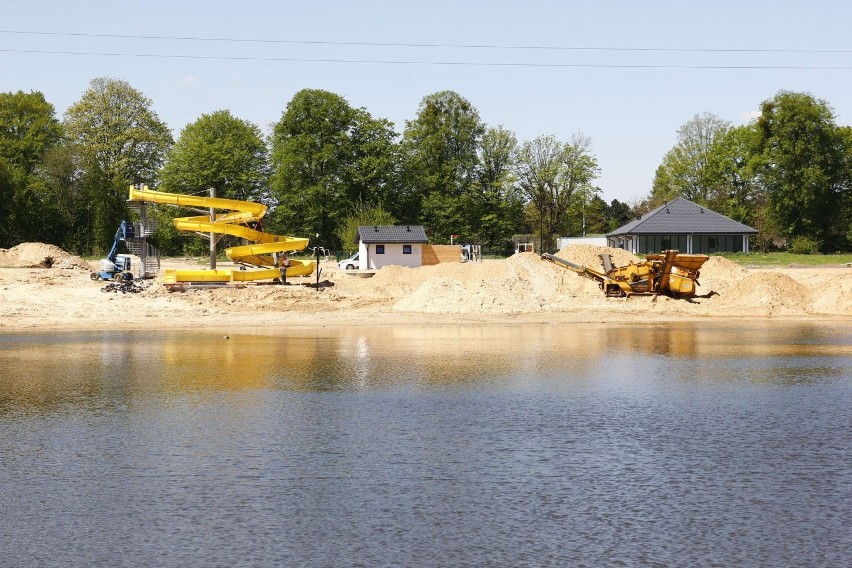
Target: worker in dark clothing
<point>283,265</point>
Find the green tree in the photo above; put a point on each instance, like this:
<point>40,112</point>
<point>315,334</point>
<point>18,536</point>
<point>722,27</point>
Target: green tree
<point>617,214</point>
<point>326,156</point>
<point>362,214</point>
<point>121,141</point>
<point>691,169</point>
<point>538,169</point>
<point>440,149</point>
<point>579,169</point>
<point>496,211</point>
<point>803,167</point>
<point>221,151</point>
<point>28,130</point>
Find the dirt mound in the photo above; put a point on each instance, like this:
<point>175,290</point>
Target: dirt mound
<point>37,255</point>
<point>767,294</point>
<point>589,256</point>
<point>722,268</point>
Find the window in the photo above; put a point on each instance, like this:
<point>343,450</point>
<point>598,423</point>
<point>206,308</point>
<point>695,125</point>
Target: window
<point>406,249</point>
<point>380,249</point>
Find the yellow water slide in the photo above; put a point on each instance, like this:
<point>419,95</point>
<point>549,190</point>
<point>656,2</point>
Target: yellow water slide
<point>234,223</point>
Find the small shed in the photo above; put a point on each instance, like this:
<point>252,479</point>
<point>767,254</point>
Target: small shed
<point>683,225</point>
<point>383,245</point>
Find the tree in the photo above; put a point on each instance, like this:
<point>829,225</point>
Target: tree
<point>691,168</point>
<point>803,165</point>
<point>552,175</point>
<point>497,210</point>
<point>219,151</point>
<point>440,154</point>
<point>326,156</point>
<point>116,129</point>
<point>121,141</point>
<point>28,128</point>
<point>362,214</point>
<point>538,169</point>
<point>28,131</point>
<point>579,169</point>
<point>617,214</point>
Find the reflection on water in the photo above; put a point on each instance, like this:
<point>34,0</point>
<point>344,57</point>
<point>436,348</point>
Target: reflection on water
<point>665,444</point>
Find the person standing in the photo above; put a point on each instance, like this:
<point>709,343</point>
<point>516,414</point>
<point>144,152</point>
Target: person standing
<point>283,265</point>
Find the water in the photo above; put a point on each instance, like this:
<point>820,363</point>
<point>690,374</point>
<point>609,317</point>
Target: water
<point>696,444</point>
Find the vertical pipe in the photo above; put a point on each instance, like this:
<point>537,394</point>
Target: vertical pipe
<point>212,234</point>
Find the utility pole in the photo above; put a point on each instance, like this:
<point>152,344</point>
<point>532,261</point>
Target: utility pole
<point>212,234</point>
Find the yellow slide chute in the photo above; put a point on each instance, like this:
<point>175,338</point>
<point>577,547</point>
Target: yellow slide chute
<point>239,213</point>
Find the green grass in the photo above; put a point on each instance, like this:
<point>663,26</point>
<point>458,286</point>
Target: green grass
<point>771,259</point>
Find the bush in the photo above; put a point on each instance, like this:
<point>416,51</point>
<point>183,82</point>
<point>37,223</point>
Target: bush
<point>804,245</point>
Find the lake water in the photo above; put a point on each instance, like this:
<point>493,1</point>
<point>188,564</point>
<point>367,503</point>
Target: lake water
<point>690,444</point>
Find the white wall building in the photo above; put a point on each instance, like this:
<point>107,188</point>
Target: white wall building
<point>383,245</point>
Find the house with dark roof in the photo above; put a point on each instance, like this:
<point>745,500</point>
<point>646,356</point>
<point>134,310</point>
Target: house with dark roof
<point>381,245</point>
<point>683,225</point>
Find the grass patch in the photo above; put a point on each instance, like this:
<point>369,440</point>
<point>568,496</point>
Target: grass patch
<point>772,259</point>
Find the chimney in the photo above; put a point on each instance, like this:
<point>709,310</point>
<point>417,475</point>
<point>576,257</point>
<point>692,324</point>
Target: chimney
<point>408,228</point>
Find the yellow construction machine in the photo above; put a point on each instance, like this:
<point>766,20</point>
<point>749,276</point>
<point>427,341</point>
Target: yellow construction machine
<point>669,273</point>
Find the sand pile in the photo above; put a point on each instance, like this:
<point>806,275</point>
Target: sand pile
<point>589,256</point>
<point>520,284</point>
<point>39,255</point>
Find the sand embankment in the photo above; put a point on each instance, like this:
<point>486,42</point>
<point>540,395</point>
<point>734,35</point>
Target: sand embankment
<point>522,288</point>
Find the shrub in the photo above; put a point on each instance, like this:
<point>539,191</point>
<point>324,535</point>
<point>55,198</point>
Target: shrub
<point>804,245</point>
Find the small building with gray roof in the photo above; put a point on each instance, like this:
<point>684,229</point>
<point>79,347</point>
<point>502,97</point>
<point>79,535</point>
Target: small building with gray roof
<point>383,245</point>
<point>683,225</point>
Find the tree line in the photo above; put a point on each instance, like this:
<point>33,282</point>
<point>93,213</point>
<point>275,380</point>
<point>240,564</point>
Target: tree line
<point>326,167</point>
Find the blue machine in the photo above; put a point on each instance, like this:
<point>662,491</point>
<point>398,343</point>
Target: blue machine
<point>116,266</point>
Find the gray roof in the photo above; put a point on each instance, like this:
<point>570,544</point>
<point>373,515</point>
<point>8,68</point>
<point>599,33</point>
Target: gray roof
<point>681,216</point>
<point>392,234</point>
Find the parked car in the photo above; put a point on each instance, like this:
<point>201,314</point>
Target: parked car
<point>350,263</point>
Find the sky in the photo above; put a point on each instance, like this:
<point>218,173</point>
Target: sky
<point>626,74</point>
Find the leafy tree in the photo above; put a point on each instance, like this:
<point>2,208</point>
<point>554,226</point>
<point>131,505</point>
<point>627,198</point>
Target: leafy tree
<point>219,151</point>
<point>325,156</point>
<point>741,193</point>
<point>121,141</point>
<point>803,166</point>
<point>692,168</point>
<point>552,176</point>
<point>579,169</point>
<point>28,130</point>
<point>116,129</point>
<point>362,214</point>
<point>538,169</point>
<point>617,214</point>
<point>496,211</point>
<point>440,155</point>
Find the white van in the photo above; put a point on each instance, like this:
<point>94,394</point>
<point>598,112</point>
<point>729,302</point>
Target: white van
<point>350,263</point>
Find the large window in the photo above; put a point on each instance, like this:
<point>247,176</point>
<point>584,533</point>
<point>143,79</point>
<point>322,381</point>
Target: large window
<point>659,243</point>
<point>707,244</point>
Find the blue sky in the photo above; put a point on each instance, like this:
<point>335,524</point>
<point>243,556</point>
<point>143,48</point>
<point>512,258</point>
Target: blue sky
<point>629,110</point>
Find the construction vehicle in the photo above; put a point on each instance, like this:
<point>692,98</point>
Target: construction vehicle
<point>116,266</point>
<point>669,273</point>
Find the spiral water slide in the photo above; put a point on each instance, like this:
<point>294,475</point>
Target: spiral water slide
<point>235,223</point>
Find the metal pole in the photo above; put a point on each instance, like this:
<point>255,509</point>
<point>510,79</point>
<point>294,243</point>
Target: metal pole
<point>212,234</point>
<point>143,234</point>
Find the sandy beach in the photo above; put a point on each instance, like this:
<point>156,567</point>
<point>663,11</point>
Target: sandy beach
<point>519,289</point>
